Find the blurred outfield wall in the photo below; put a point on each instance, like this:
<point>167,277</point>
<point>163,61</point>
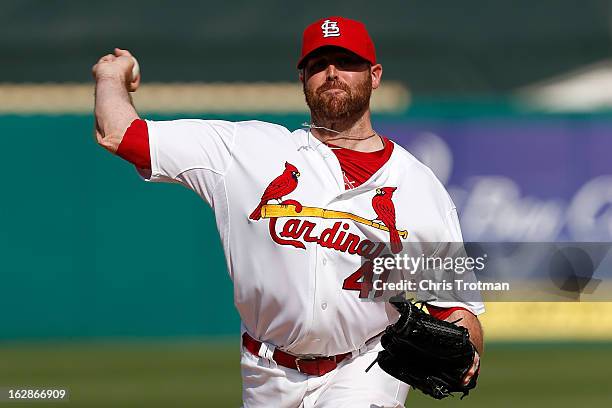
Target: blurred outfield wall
<point>89,250</point>
<point>472,47</point>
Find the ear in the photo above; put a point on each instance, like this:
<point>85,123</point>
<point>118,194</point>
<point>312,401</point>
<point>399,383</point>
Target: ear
<point>301,75</point>
<point>376,73</point>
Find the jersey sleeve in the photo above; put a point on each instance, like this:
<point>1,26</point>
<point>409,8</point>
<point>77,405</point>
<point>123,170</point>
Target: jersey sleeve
<point>195,153</point>
<point>453,248</point>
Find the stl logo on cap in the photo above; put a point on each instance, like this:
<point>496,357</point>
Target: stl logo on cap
<point>330,29</point>
<point>340,32</point>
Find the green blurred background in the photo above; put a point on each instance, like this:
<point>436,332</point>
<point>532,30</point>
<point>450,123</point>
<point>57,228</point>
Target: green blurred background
<point>117,289</point>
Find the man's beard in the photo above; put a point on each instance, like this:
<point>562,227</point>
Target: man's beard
<point>334,107</point>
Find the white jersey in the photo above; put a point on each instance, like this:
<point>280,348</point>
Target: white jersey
<point>295,273</point>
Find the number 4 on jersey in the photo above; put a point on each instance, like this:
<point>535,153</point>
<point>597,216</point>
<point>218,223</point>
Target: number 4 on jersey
<point>362,280</point>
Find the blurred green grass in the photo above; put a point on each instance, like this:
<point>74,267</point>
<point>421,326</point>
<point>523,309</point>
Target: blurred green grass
<point>206,374</point>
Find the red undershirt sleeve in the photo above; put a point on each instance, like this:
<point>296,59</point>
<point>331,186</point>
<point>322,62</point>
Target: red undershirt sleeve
<point>441,312</point>
<point>134,146</point>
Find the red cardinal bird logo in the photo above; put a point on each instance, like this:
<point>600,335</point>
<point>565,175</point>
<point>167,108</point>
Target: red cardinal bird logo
<point>385,210</point>
<point>278,188</point>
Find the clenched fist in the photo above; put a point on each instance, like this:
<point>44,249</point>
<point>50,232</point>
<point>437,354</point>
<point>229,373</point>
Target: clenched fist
<point>119,66</point>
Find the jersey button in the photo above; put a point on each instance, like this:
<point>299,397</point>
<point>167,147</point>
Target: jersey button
<point>324,261</point>
<point>324,305</point>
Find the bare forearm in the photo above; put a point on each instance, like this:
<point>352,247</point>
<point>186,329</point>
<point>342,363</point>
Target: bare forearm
<point>470,322</point>
<point>114,112</point>
<point>115,75</point>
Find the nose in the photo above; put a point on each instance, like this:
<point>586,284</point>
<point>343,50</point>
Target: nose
<point>332,72</point>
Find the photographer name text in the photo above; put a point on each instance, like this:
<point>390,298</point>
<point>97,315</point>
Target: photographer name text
<point>428,285</point>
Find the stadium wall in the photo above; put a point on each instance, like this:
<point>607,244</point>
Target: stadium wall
<point>89,250</point>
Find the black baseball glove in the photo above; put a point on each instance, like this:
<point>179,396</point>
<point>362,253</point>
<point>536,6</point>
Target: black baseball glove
<point>427,353</point>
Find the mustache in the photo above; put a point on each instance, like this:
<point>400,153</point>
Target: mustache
<point>333,85</point>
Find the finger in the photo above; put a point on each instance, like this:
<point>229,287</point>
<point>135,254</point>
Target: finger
<point>133,86</point>
<point>468,376</point>
<point>472,371</point>
<point>119,52</point>
<point>106,58</point>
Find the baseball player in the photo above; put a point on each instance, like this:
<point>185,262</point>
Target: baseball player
<point>297,211</point>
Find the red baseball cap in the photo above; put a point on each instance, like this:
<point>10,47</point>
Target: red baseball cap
<point>338,32</point>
